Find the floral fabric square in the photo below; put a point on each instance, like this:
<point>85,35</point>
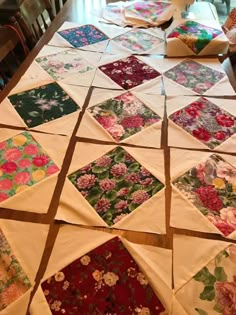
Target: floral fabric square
<point>211,187</point>
<point>64,64</point>
<point>123,115</point>
<point>83,35</point>
<point>205,121</point>
<point>13,280</point>
<point>106,280</point>
<point>115,185</point>
<point>215,285</point>
<point>194,76</point>
<point>195,35</point>
<point>23,163</point>
<point>43,104</point>
<point>138,41</point>
<point>149,11</point>
<point>129,72</point>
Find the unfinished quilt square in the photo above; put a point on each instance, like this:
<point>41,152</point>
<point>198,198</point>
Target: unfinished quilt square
<point>115,185</point>
<point>43,104</point>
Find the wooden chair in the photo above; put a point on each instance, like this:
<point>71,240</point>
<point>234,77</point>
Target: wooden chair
<point>34,17</point>
<point>57,5</point>
<point>13,50</point>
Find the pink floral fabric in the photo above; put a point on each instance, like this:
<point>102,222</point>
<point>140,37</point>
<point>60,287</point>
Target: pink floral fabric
<point>211,187</point>
<point>123,116</point>
<point>138,40</point>
<point>23,163</point>
<point>115,185</point>
<point>106,281</point>
<point>129,72</point>
<point>147,10</point>
<point>13,280</point>
<point>218,284</point>
<point>206,122</point>
<point>64,64</point>
<point>194,76</point>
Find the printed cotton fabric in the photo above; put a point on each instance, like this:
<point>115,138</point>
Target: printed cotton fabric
<point>104,281</point>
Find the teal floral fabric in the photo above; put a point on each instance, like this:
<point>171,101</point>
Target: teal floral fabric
<point>206,122</point>
<point>14,282</point>
<point>138,41</point>
<point>211,188</point>
<point>43,104</point>
<point>23,163</point>
<point>194,76</point>
<point>195,35</point>
<point>83,35</point>
<point>115,185</point>
<point>123,116</point>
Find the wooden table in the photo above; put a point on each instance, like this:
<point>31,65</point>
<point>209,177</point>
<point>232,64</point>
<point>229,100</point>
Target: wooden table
<point>76,11</point>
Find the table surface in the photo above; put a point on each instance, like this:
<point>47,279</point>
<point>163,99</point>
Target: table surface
<point>77,11</point>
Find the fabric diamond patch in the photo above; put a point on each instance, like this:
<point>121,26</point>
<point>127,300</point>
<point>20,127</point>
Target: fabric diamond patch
<point>63,64</point>
<point>150,11</point>
<point>14,282</point>
<point>194,76</point>
<point>83,35</point>
<point>43,104</point>
<point>206,121</point>
<point>138,41</point>
<point>211,187</point>
<point>104,281</point>
<point>23,163</point>
<point>195,35</point>
<point>123,115</point>
<point>216,282</point>
<point>129,72</point>
<point>115,185</point>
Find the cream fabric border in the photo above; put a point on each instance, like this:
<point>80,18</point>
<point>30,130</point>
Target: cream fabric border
<point>29,255</point>
<point>66,250</point>
<point>150,136</point>
<point>31,199</point>
<point>74,207</point>
<point>178,137</point>
<point>176,47</point>
<point>183,213</point>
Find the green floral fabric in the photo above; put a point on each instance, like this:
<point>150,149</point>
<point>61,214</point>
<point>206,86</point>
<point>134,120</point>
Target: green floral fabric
<point>43,104</point>
<point>115,185</point>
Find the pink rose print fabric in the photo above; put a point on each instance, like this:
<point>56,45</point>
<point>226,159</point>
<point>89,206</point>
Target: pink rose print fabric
<point>211,188</point>
<point>194,76</point>
<point>206,122</point>
<point>129,72</point>
<point>23,163</point>
<point>123,116</point>
<point>115,185</point>
<point>138,41</point>
<point>215,284</point>
<point>83,35</point>
<point>13,280</point>
<point>104,281</point>
<point>148,10</point>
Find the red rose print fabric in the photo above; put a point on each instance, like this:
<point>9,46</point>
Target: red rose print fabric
<point>23,163</point>
<point>104,281</point>
<point>206,122</point>
<point>129,72</point>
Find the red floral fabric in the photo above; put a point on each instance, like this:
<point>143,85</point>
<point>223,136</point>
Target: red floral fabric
<point>129,72</point>
<point>105,281</point>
